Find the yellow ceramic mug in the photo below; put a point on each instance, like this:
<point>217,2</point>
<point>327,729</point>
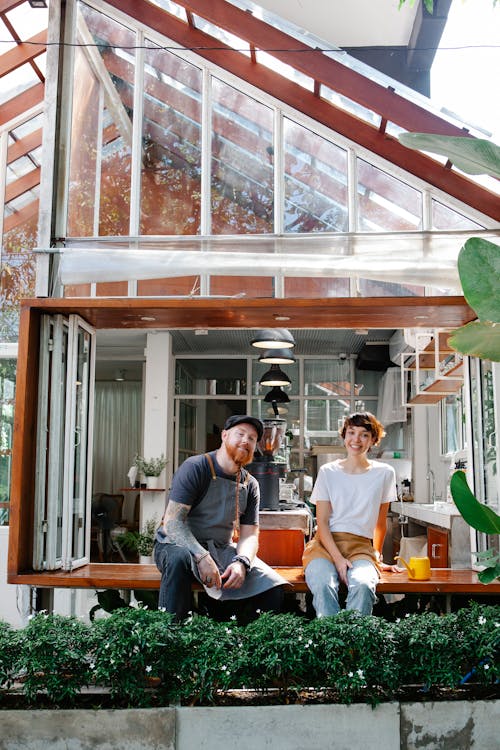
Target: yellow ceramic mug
<point>419,568</point>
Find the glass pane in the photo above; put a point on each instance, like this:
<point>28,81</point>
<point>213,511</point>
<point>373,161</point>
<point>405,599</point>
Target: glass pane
<point>79,478</point>
<point>242,173</point>
<point>7,397</point>
<point>200,421</point>
<point>386,204</point>
<point>328,378</point>
<point>374,288</point>
<point>19,223</point>
<point>211,376</point>
<point>101,131</point>
<point>452,424</point>
<point>171,137</point>
<point>315,182</point>
<point>483,432</point>
<point>323,417</point>
<point>446,218</point>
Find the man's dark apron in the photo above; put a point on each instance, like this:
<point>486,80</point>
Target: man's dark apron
<point>213,521</point>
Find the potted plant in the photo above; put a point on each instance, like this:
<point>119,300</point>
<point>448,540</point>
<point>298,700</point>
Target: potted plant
<point>150,468</point>
<point>142,541</point>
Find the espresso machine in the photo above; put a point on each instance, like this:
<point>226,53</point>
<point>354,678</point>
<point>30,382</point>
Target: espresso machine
<point>268,466</point>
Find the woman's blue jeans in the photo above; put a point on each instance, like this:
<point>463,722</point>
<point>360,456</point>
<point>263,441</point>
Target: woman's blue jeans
<point>323,581</point>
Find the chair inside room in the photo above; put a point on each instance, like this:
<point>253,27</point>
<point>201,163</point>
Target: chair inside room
<point>108,525</point>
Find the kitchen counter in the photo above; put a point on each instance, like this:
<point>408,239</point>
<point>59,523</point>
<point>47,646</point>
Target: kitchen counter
<point>425,516</point>
<point>437,514</point>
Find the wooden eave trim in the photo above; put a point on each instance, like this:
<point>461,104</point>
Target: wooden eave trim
<point>342,312</point>
<point>23,52</point>
<point>336,119</point>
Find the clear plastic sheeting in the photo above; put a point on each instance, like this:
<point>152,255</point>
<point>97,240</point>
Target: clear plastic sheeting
<point>424,258</point>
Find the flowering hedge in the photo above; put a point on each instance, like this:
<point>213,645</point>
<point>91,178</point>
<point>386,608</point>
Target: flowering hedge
<point>139,657</point>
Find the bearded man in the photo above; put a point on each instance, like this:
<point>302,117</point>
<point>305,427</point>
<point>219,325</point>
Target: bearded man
<point>210,530</point>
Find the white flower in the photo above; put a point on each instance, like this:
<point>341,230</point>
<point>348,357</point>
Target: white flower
<point>350,674</point>
<point>486,666</point>
<point>258,611</point>
<point>233,617</point>
<point>224,668</point>
<point>360,674</point>
<point>162,609</point>
<point>149,668</point>
<point>482,620</point>
<point>92,665</point>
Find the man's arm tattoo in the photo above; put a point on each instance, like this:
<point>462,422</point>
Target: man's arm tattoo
<point>176,529</point>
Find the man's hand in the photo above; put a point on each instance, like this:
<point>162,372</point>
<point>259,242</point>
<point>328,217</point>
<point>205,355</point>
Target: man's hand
<point>234,575</point>
<point>209,572</point>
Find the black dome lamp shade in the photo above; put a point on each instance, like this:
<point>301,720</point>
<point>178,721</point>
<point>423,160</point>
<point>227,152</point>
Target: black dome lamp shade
<point>275,376</point>
<point>273,338</point>
<point>277,395</point>
<point>277,357</point>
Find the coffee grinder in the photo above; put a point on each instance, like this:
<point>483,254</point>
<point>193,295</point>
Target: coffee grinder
<point>268,467</point>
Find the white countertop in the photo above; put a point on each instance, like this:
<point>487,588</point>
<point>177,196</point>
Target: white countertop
<point>438,514</point>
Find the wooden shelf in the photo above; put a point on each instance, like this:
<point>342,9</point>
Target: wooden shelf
<point>438,389</point>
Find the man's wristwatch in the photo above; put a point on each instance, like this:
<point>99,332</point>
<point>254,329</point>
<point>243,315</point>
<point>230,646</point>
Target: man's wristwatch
<point>244,560</point>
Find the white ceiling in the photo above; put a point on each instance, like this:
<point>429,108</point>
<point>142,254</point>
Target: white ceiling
<point>349,23</point>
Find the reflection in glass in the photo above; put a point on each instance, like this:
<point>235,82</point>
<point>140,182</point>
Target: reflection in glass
<point>101,127</point>
<point>315,182</point>
<point>7,394</point>
<point>242,172</point>
<point>171,141</point>
<point>386,204</point>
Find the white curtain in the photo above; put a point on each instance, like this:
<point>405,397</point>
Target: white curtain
<point>117,433</point>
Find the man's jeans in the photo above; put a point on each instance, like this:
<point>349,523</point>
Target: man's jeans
<point>323,581</point>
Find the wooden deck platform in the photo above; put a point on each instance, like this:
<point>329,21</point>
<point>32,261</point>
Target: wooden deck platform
<point>132,576</point>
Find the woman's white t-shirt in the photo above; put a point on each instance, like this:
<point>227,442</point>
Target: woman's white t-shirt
<point>355,498</point>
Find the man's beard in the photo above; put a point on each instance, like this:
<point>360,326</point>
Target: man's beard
<point>239,455</point>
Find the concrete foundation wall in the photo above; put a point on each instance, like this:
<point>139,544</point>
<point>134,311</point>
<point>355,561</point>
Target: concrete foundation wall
<point>456,725</point>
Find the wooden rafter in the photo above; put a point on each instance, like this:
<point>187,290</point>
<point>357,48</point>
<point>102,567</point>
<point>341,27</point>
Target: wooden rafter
<point>22,53</point>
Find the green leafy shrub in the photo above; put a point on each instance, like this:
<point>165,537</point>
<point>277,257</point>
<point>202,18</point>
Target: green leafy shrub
<point>358,655</point>
<point>134,651</point>
<point>140,657</point>
<point>53,658</point>
<point>211,663</point>
<point>277,653</point>
<point>9,654</point>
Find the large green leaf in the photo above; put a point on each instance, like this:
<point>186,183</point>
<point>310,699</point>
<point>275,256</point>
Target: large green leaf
<point>478,339</point>
<point>479,271</point>
<point>471,155</point>
<point>489,574</point>
<point>476,514</point>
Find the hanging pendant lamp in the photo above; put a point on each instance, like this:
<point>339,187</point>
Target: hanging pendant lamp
<point>273,338</point>
<point>278,395</point>
<point>277,357</point>
<point>275,376</point>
